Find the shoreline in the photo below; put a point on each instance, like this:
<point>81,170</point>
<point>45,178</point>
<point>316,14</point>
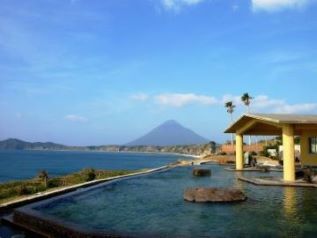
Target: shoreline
<point>100,151</point>
<point>166,153</point>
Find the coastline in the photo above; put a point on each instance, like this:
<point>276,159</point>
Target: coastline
<point>159,153</point>
<point>135,152</point>
<point>187,155</point>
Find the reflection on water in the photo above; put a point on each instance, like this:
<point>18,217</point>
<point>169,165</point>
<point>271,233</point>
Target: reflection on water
<point>237,183</point>
<point>289,199</point>
<point>291,214</point>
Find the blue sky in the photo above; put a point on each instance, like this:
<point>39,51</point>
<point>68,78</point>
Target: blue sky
<point>85,72</point>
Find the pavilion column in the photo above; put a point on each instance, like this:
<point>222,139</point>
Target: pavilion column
<point>239,151</point>
<point>304,147</point>
<point>288,153</point>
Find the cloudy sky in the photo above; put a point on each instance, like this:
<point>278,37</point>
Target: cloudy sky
<point>104,72</point>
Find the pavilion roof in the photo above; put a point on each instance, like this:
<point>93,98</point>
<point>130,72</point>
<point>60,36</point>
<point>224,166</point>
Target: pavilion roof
<point>270,124</point>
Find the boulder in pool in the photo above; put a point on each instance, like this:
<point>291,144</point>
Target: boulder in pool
<point>214,195</point>
<point>201,172</point>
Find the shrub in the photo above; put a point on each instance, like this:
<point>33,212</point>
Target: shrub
<point>32,186</point>
<point>5,193</point>
<point>88,174</point>
<point>29,188</point>
<point>39,188</point>
<point>22,190</point>
<point>54,182</point>
<point>264,153</point>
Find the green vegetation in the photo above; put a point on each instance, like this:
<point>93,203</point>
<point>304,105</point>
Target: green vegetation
<point>41,183</point>
<point>230,108</point>
<point>180,149</point>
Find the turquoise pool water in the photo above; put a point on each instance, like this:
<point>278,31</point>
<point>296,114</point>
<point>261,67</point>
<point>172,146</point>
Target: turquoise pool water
<point>153,205</point>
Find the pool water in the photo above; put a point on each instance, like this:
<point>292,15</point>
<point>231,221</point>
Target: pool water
<point>153,205</point>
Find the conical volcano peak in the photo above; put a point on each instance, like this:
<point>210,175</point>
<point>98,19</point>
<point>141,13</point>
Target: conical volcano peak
<point>171,123</point>
<point>168,133</point>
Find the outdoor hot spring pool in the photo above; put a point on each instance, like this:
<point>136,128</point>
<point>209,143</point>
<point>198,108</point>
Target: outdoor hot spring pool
<point>153,205</point>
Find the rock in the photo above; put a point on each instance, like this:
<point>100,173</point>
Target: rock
<point>308,175</point>
<point>299,174</point>
<point>214,195</point>
<point>263,169</point>
<point>201,172</point>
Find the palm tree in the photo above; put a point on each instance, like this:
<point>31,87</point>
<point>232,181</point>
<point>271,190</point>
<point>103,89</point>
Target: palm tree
<point>246,99</point>
<point>43,175</point>
<point>230,109</point>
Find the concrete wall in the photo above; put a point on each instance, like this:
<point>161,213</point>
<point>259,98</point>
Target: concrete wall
<point>229,149</point>
<point>306,157</point>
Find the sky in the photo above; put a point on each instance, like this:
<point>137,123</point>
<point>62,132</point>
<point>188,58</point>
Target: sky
<point>93,72</point>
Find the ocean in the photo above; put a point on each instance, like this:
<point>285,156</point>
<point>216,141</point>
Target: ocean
<point>16,165</point>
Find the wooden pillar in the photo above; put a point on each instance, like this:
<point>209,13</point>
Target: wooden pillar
<point>239,151</point>
<point>288,153</point>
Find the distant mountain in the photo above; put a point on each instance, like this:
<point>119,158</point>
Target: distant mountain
<point>185,146</point>
<point>15,144</point>
<point>169,133</point>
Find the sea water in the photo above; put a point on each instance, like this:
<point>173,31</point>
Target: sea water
<point>15,165</point>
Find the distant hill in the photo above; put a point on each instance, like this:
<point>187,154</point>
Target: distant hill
<point>15,144</point>
<point>193,149</point>
<point>169,133</point>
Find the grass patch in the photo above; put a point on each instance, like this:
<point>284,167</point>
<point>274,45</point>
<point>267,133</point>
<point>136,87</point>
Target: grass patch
<point>18,189</point>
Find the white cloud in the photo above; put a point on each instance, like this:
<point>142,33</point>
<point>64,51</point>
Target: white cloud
<point>140,97</point>
<point>228,97</point>
<point>75,118</point>
<point>297,108</point>
<point>176,5</point>
<point>277,5</point>
<point>264,103</point>
<point>183,99</point>
<point>259,103</point>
